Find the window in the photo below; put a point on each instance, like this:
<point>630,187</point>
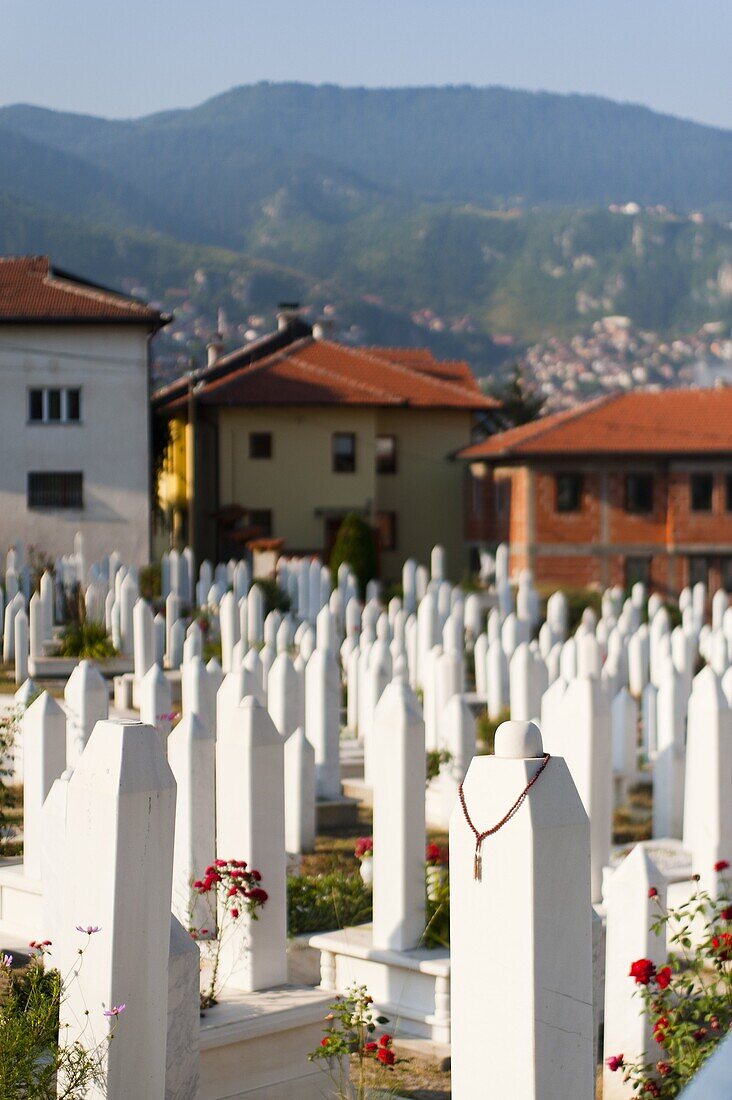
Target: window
<point>344,453</point>
<point>51,405</point>
<point>698,570</point>
<point>637,570</point>
<point>728,493</point>
<point>386,454</point>
<point>386,523</point>
<point>569,492</point>
<point>639,493</point>
<point>260,444</point>
<point>701,492</point>
<point>55,490</point>
<point>261,518</point>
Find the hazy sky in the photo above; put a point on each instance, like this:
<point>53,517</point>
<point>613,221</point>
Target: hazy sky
<point>137,56</point>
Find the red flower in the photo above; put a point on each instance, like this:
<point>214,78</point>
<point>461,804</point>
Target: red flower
<point>257,894</point>
<point>324,1042</point>
<point>721,865</point>
<point>723,946</point>
<point>652,892</point>
<point>700,1034</point>
<point>256,877</point>
<point>386,1056</point>
<point>663,1068</point>
<point>726,914</point>
<point>235,913</point>
<point>364,847</point>
<point>220,863</point>
<point>651,1088</point>
<point>371,1047</point>
<point>663,977</point>
<point>615,1062</point>
<point>198,885</point>
<point>232,891</point>
<point>385,1040</point>
<point>642,970</point>
<point>659,1029</point>
<point>714,1023</point>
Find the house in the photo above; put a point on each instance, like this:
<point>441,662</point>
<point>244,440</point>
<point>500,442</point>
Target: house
<point>74,416</point>
<point>285,436</point>
<point>632,486</point>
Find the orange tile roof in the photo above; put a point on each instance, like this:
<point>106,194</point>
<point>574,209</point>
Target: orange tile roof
<point>32,290</point>
<point>320,372</point>
<point>640,422</point>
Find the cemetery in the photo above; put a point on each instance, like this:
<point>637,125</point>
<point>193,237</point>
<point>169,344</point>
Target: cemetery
<point>292,839</point>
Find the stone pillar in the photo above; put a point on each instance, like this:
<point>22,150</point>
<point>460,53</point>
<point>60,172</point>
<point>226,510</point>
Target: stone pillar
<point>399,820</point>
<point>143,639</point>
<point>250,825</point>
<point>47,600</point>
<point>299,793</point>
<point>527,934</point>
<point>44,758</point>
<point>322,721</point>
<point>668,767</point>
<point>630,913</point>
<point>192,759</point>
<point>53,852</point>
<point>128,595</point>
<point>496,679</point>
<point>182,1075</point>
<point>156,703</point>
<point>283,695</point>
<point>37,626</point>
<point>624,725</point>
<point>229,626</point>
<point>707,801</point>
<point>586,745</point>
<point>120,821</point>
<point>22,645</point>
<point>255,615</point>
<point>87,702</point>
<point>197,694</point>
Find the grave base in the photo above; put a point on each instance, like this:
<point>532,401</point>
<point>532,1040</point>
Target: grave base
<point>412,988</point>
<point>357,788</point>
<point>336,813</point>
<point>21,904</point>
<point>256,1045</point>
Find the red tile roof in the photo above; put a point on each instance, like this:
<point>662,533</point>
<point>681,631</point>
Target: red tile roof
<point>319,372</point>
<point>639,422</point>
<point>32,290</point>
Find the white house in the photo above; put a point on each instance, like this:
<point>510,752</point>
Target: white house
<point>74,412</point>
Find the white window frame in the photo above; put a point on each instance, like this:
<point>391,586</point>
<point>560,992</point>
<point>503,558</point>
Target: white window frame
<point>64,392</point>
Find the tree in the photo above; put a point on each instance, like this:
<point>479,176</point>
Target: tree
<point>355,544</point>
<point>521,401</point>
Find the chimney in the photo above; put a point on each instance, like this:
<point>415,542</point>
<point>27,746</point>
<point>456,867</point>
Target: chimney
<point>287,312</point>
<point>323,328</point>
<point>215,349</point>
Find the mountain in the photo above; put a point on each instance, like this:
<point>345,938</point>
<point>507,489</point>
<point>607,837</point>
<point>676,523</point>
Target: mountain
<point>427,215</point>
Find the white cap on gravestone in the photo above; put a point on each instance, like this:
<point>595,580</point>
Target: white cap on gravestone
<point>518,741</point>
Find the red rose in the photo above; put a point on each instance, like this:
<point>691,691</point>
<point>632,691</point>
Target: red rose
<point>714,1023</point>
<point>663,977</point>
<point>371,1047</point>
<point>700,1034</point>
<point>197,885</point>
<point>726,914</point>
<point>231,891</point>
<point>324,1042</point>
<point>663,1068</point>
<point>235,913</point>
<point>659,1029</point>
<point>651,1088</point>
<point>257,894</point>
<point>615,1062</point>
<point>642,970</point>
<point>384,1040</point>
<point>721,865</point>
<point>256,877</point>
<point>723,946</point>
<point>220,863</point>
<point>386,1056</point>
<point>652,892</point>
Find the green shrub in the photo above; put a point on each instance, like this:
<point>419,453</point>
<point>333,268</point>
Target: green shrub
<point>485,731</point>
<point>355,544</point>
<point>275,598</point>
<point>151,583</point>
<point>322,903</point>
<point>86,639</point>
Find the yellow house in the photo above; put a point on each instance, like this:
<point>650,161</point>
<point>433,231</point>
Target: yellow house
<point>285,436</point>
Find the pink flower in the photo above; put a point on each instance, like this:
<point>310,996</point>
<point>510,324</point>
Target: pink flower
<point>90,929</point>
<point>6,961</point>
<point>615,1062</point>
<point>115,1010</point>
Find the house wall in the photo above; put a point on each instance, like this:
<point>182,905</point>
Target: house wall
<point>110,445</point>
<point>593,545</point>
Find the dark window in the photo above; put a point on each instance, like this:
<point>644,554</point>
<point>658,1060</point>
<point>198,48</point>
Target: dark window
<point>698,570</point>
<point>728,492</point>
<point>569,492</point>
<point>55,490</point>
<point>637,569</point>
<point>386,523</point>
<point>386,454</point>
<point>73,405</point>
<point>639,492</point>
<point>725,566</point>
<point>344,453</point>
<point>54,404</point>
<point>701,492</point>
<point>35,404</point>
<point>261,518</point>
<point>260,444</point>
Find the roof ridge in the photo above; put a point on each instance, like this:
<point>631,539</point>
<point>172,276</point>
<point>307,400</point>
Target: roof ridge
<point>67,285</point>
<point>453,387</point>
<point>543,426</point>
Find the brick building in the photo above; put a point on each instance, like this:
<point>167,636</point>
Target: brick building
<point>633,486</point>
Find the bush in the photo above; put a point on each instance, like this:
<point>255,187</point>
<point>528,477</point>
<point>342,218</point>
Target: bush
<point>322,903</point>
<point>86,639</point>
<point>275,598</point>
<point>485,731</point>
<point>355,544</point>
<point>151,583</point>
